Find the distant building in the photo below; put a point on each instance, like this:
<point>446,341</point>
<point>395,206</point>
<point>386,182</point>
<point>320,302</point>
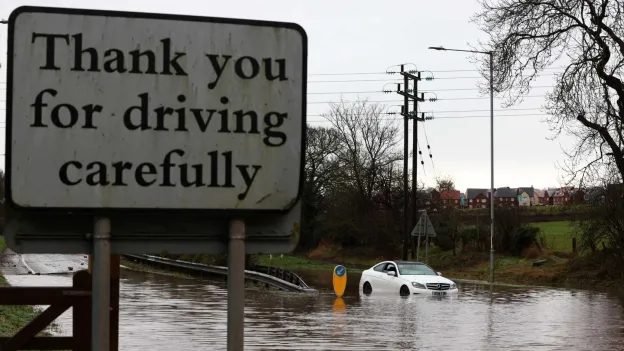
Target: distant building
<point>506,197</point>
<point>478,198</point>
<point>526,196</point>
<point>562,196</point>
<point>450,198</point>
<point>551,195</point>
<point>446,198</point>
<point>542,198</point>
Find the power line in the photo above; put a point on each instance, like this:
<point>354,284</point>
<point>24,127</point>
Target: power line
<point>422,91</point>
<point>438,71</point>
<point>443,117</point>
<point>430,100</point>
<point>499,110</point>
<point>458,111</point>
<point>398,79</point>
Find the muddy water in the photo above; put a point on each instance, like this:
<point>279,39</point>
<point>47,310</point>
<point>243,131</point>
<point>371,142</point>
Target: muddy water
<point>167,313</point>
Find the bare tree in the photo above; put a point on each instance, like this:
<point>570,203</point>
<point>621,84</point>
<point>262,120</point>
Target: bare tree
<point>362,198</point>
<point>320,171</point>
<point>528,36</point>
<point>322,147</point>
<point>367,143</point>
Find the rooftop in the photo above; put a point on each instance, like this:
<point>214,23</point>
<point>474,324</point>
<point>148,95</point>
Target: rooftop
<point>505,192</point>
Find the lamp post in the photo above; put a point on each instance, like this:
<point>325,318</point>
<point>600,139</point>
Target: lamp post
<point>491,55</point>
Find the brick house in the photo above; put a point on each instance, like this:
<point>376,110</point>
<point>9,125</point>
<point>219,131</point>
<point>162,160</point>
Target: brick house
<point>561,196</point>
<point>477,198</point>
<point>551,195</point>
<point>506,197</point>
<point>450,198</point>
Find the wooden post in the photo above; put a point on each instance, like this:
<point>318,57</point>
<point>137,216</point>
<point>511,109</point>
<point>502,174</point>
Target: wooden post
<point>81,321</point>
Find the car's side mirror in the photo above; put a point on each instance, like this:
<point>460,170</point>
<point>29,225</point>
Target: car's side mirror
<point>440,274</point>
<point>392,273</point>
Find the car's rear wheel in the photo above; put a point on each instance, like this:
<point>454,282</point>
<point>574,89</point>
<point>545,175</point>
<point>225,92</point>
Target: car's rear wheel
<point>404,291</point>
<point>367,288</point>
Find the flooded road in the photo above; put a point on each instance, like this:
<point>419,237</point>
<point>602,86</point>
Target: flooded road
<point>164,313</point>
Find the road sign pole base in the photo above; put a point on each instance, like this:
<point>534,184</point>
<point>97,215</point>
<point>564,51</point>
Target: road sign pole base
<point>236,286</point>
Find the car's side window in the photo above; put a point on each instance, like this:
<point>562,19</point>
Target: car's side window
<point>380,267</point>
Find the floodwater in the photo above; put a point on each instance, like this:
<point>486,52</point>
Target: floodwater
<point>166,313</point>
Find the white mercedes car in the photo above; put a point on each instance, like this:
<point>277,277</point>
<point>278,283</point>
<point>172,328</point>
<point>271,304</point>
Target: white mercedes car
<point>405,278</point>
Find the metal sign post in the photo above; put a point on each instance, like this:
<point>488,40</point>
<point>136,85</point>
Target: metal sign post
<point>101,285</point>
<point>426,240</point>
<point>423,227</point>
<point>236,286</point>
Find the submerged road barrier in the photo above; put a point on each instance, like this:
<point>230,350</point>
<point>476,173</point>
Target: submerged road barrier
<point>254,276</point>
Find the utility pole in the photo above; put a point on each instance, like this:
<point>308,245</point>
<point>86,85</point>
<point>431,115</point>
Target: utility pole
<point>407,115</point>
<point>405,112</point>
<point>415,121</point>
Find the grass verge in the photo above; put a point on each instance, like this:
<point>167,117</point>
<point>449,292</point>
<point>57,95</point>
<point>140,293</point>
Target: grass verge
<point>13,318</point>
<point>560,268</point>
<point>556,271</point>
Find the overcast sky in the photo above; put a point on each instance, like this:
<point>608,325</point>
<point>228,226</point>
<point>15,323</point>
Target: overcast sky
<point>352,42</point>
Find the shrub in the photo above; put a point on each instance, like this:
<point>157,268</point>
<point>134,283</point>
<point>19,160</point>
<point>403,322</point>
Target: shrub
<point>523,238</point>
<point>532,252</point>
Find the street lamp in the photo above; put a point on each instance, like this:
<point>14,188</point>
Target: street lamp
<point>491,55</point>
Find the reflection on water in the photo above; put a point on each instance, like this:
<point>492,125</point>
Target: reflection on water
<point>165,313</point>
